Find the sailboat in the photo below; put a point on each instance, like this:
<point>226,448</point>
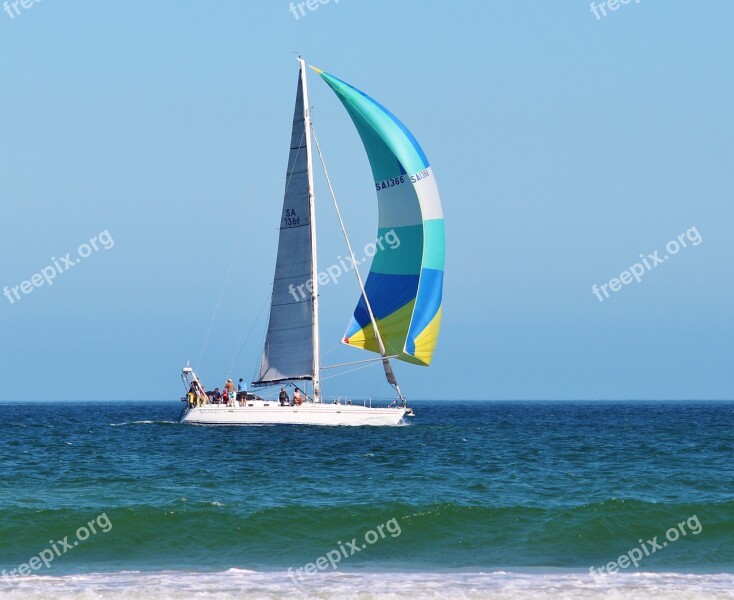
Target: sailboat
<point>398,315</point>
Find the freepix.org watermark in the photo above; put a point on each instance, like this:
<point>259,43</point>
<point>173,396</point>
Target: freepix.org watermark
<point>649,262</point>
<point>298,9</point>
<point>600,10</point>
<point>59,265</point>
<point>335,271</point>
<point>58,548</point>
<point>649,547</point>
<point>13,7</point>
<point>332,558</point>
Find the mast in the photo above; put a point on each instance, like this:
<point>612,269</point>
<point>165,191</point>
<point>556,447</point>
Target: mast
<point>314,255</point>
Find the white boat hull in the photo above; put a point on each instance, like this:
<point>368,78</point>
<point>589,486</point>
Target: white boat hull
<point>272,413</point>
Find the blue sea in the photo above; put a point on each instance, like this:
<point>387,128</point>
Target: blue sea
<point>467,500</point>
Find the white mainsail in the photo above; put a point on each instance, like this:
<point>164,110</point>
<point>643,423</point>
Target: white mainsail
<point>291,346</point>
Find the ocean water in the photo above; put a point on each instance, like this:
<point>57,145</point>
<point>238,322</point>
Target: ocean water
<point>469,500</point>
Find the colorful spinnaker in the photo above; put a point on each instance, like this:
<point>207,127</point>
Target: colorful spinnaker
<point>405,282</point>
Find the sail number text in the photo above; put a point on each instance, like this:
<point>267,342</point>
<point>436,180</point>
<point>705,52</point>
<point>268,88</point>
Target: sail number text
<point>290,218</point>
<point>393,181</point>
<point>388,183</point>
<point>419,176</point>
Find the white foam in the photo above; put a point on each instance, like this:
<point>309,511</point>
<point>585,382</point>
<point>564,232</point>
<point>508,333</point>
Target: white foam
<point>237,583</point>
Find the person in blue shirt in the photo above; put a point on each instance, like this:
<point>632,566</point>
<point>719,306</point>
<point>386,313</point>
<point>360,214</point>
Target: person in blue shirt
<point>242,389</point>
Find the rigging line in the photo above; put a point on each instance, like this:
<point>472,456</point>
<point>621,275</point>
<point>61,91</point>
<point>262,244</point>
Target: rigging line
<point>334,347</point>
<point>350,371</point>
<point>249,333</point>
<point>356,362</point>
<point>221,295</point>
<point>295,160</point>
<point>258,363</point>
<point>387,366</point>
<point>378,385</point>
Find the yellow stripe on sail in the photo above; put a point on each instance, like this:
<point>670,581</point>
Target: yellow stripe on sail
<point>396,323</point>
<point>391,327</point>
<point>425,343</point>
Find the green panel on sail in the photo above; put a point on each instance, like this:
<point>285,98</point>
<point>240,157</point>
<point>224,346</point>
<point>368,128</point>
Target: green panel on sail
<point>405,282</point>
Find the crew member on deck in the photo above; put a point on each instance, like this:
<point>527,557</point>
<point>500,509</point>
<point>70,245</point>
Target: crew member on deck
<point>229,387</point>
<point>242,390</point>
<point>199,399</point>
<point>283,397</point>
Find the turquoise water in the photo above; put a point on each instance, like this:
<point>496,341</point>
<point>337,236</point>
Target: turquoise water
<point>465,487</point>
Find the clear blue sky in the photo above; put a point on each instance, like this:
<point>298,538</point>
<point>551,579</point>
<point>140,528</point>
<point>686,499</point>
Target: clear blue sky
<point>564,146</point>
